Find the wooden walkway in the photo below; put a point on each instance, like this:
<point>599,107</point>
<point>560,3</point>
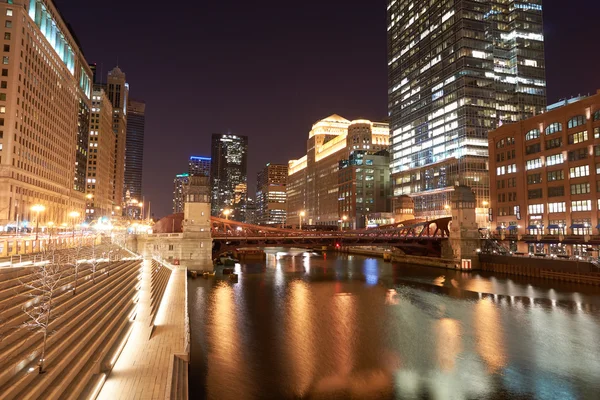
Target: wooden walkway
<point>142,371</point>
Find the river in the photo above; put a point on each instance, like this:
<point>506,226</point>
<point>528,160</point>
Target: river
<point>328,326</point>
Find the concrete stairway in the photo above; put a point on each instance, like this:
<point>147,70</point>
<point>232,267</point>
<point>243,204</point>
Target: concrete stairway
<point>85,332</point>
<point>159,281</point>
<point>179,379</point>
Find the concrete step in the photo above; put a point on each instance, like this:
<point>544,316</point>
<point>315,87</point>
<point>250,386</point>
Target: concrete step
<point>71,313</point>
<point>87,323</point>
<point>71,361</point>
<point>102,361</point>
<point>13,315</point>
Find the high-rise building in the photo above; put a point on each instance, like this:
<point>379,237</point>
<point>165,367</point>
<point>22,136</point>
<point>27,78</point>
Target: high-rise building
<point>199,166</point>
<point>271,194</point>
<point>251,211</point>
<point>179,184</point>
<point>456,70</point>
<point>312,184</point>
<point>118,93</point>
<point>45,96</point>
<point>134,148</point>
<point>364,187</point>
<point>546,174</point>
<point>101,158</point>
<point>227,171</point>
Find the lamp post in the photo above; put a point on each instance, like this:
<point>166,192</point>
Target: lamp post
<point>74,215</point>
<point>50,225</point>
<point>344,218</point>
<point>38,208</point>
<point>302,214</point>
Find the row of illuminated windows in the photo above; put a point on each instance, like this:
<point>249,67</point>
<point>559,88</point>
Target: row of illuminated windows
<point>509,169</point>
<point>557,126</point>
<point>585,205</point>
<point>561,206</point>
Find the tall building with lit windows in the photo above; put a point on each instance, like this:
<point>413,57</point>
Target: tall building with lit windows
<point>456,70</point>
<point>271,195</point>
<point>101,158</point>
<point>118,93</point>
<point>228,177</point>
<point>179,183</point>
<point>45,95</point>
<point>199,166</point>
<point>134,147</point>
<point>313,185</point>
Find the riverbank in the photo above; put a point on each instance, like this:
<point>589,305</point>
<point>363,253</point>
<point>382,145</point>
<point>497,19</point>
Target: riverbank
<point>546,268</point>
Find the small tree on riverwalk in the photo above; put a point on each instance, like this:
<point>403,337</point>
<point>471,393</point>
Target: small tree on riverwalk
<point>44,288</point>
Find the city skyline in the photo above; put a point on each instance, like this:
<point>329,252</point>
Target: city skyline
<point>279,84</point>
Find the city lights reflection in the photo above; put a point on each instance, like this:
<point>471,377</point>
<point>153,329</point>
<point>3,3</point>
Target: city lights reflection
<point>332,327</point>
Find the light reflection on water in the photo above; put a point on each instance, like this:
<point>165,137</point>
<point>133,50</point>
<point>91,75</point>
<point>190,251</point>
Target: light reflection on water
<point>322,326</point>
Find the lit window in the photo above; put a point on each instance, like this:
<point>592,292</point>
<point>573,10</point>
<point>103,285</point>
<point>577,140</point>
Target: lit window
<point>576,172</point>
<point>5,60</point>
<point>532,134</point>
<point>553,128</point>
<point>9,12</point>
<point>581,205</point>
<point>576,121</point>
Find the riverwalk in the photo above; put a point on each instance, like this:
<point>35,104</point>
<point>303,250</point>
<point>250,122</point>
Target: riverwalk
<point>153,362</point>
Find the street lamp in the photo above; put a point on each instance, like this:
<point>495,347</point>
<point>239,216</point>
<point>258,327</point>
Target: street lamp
<point>50,225</point>
<point>302,214</point>
<point>344,218</point>
<point>226,213</point>
<point>38,208</point>
<point>74,215</point>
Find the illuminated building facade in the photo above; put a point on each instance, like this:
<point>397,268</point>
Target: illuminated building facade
<point>364,187</point>
<point>101,158</point>
<point>457,70</point>
<point>118,93</point>
<point>271,194</point>
<point>227,171</point>
<point>45,95</point>
<point>546,174</point>
<point>179,183</point>
<point>134,147</point>
<point>199,166</point>
<point>312,185</point>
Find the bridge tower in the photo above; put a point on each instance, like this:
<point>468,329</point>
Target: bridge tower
<point>196,242</point>
<point>465,240</point>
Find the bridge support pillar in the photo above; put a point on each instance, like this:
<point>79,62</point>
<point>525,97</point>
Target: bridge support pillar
<point>465,241</point>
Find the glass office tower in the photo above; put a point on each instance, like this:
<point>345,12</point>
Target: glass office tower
<point>228,174</point>
<point>458,69</point>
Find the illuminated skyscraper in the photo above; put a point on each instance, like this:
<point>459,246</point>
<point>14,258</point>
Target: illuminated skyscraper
<point>179,183</point>
<point>118,93</point>
<point>45,97</point>
<point>134,148</point>
<point>101,158</point>
<point>227,171</point>
<point>457,70</point>
<point>271,194</point>
<point>199,166</point>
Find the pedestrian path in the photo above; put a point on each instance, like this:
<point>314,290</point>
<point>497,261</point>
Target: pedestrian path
<point>144,368</point>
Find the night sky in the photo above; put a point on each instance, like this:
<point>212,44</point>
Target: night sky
<point>270,69</point>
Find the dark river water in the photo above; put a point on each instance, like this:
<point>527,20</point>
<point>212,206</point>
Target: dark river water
<point>320,326</point>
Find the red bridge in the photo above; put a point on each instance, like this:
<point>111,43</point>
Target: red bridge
<point>412,237</point>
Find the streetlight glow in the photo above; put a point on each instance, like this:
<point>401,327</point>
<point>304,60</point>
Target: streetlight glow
<point>37,208</point>
<point>302,214</point>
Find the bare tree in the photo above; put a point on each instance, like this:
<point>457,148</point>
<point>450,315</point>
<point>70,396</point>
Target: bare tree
<point>94,260</point>
<point>45,286</point>
<point>76,254</point>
